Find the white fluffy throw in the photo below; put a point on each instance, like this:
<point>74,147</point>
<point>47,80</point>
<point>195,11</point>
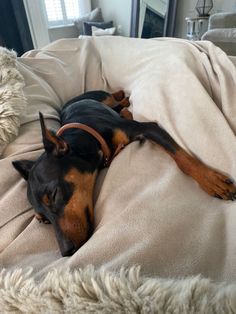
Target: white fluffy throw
<point>99,291</point>
<point>12,99</point>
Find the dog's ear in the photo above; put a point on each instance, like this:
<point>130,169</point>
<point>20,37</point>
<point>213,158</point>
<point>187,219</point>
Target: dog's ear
<point>23,167</point>
<point>52,143</point>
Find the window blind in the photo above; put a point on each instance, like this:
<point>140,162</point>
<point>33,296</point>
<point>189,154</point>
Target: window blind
<point>61,12</point>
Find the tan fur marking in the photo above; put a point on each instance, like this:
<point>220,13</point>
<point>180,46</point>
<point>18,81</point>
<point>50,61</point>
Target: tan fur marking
<point>211,181</point>
<point>109,101</point>
<point>51,137</point>
<point>60,144</point>
<point>125,102</point>
<point>73,222</point>
<point>186,162</point>
<point>45,200</point>
<point>119,137</point>
<point>119,95</point>
<point>126,114</point>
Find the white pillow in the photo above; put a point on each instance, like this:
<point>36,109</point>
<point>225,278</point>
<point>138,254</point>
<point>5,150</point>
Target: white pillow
<point>101,32</point>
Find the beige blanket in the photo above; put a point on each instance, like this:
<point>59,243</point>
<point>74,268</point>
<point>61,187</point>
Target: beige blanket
<point>147,211</point>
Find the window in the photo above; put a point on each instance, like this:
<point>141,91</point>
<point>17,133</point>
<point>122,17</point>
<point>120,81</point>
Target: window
<point>61,12</point>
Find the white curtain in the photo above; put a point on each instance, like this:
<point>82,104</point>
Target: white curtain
<point>84,6</point>
<point>37,23</point>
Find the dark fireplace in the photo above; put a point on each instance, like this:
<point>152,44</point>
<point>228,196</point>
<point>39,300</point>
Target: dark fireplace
<point>153,24</point>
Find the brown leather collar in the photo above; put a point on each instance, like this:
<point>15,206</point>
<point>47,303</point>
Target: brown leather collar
<point>105,149</point>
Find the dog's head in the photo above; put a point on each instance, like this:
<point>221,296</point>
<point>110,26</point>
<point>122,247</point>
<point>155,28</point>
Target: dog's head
<point>61,191</point>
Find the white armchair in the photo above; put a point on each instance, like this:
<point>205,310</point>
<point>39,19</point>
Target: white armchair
<point>222,31</point>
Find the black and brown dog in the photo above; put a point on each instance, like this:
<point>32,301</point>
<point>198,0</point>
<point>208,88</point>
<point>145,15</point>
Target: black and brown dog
<point>95,126</point>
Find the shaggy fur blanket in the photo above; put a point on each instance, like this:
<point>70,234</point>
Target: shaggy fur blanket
<point>99,291</point>
<point>12,100</point>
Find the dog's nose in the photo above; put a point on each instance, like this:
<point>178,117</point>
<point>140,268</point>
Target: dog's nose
<point>67,247</point>
<point>68,251</point>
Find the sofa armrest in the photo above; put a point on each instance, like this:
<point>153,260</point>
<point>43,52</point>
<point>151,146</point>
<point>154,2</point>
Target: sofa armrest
<point>222,20</point>
<point>220,34</point>
<point>225,38</point>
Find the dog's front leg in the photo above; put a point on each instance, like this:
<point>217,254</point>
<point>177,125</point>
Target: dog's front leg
<point>212,181</point>
<point>41,218</point>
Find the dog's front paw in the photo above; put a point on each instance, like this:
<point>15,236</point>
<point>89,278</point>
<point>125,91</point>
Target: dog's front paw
<point>217,184</point>
<point>41,218</point>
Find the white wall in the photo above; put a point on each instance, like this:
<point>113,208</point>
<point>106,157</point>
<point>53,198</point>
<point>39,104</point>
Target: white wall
<point>187,8</point>
<point>117,10</point>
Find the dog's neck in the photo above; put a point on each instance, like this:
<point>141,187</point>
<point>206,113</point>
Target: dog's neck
<point>105,150</point>
<point>85,147</point>
<point>103,154</point>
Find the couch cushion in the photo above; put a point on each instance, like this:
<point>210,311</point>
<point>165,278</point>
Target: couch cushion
<point>93,16</point>
<point>103,32</point>
<point>102,25</point>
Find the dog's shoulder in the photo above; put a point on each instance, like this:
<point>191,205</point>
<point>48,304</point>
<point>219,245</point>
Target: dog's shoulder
<point>98,95</point>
